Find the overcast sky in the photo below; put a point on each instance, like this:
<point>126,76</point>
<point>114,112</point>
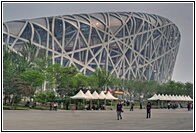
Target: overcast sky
<point>179,13</point>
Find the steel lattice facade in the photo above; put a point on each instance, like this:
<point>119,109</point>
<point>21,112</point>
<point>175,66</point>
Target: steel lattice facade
<point>129,44</point>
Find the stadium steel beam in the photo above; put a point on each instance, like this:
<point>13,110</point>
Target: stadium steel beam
<point>128,44</point>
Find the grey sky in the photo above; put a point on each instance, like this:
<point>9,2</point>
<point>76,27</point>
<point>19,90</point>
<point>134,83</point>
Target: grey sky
<point>179,13</point>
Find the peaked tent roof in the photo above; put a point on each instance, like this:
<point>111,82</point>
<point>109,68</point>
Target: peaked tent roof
<point>173,98</point>
<point>167,97</point>
<point>102,95</point>
<point>170,97</point>
<point>80,95</point>
<point>186,98</point>
<point>96,95</point>
<point>181,98</point>
<point>178,98</point>
<point>89,95</point>
<point>110,96</point>
<point>161,97</point>
<point>154,97</point>
<point>190,99</point>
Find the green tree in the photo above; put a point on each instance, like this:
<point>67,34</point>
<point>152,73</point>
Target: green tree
<point>63,79</point>
<point>35,78</point>
<point>18,88</point>
<point>14,64</point>
<point>40,96</point>
<point>150,88</point>
<point>12,85</point>
<point>129,87</point>
<point>189,89</point>
<point>45,96</point>
<point>81,81</point>
<point>103,78</point>
<point>139,86</point>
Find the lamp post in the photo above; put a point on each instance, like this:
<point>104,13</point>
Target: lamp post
<point>155,71</point>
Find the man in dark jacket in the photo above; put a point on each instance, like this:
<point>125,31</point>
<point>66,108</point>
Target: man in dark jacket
<point>148,109</point>
<point>118,110</point>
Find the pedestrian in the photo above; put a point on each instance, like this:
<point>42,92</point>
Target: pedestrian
<point>188,106</point>
<point>140,105</point>
<point>132,104</point>
<point>93,107</point>
<point>61,105</point>
<point>50,105</point>
<point>119,110</point>
<point>191,106</point>
<point>46,104</point>
<point>85,107</point>
<point>168,105</point>
<point>56,106</point>
<point>148,110</point>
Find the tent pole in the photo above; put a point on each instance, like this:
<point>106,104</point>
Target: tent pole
<point>105,104</point>
<point>90,104</point>
<point>83,104</point>
<point>111,104</point>
<point>98,104</point>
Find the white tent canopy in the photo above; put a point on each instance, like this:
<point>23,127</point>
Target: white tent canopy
<point>189,98</point>
<point>110,96</point>
<point>80,95</point>
<point>89,95</point>
<point>181,97</point>
<point>161,97</point>
<point>178,98</point>
<point>96,95</point>
<point>102,95</point>
<point>174,98</point>
<point>154,97</point>
<point>170,98</point>
<point>167,97</point>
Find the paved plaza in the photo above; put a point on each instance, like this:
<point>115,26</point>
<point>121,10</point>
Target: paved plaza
<point>162,119</point>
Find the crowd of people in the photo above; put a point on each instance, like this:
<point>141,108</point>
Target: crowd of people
<point>179,105</point>
<point>53,105</point>
<point>94,107</point>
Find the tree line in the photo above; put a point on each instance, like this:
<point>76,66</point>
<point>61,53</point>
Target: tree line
<point>25,72</point>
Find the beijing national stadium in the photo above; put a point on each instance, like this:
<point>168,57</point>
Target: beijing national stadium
<point>128,44</point>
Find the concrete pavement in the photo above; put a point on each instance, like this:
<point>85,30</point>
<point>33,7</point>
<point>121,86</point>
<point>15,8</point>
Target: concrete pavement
<point>162,119</point>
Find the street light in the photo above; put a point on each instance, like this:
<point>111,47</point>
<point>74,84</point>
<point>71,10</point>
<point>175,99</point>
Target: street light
<point>155,71</point>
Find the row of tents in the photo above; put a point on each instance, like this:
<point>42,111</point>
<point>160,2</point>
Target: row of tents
<point>94,95</point>
<point>170,98</point>
<point>109,96</point>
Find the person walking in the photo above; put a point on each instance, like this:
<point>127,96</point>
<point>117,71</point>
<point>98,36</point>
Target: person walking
<point>148,109</point>
<point>56,106</point>
<point>119,110</point>
<point>132,105</point>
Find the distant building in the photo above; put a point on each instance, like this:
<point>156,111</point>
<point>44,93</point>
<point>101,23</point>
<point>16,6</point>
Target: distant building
<point>129,44</point>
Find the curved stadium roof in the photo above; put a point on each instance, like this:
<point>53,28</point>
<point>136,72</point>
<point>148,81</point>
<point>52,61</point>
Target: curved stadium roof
<point>129,44</point>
